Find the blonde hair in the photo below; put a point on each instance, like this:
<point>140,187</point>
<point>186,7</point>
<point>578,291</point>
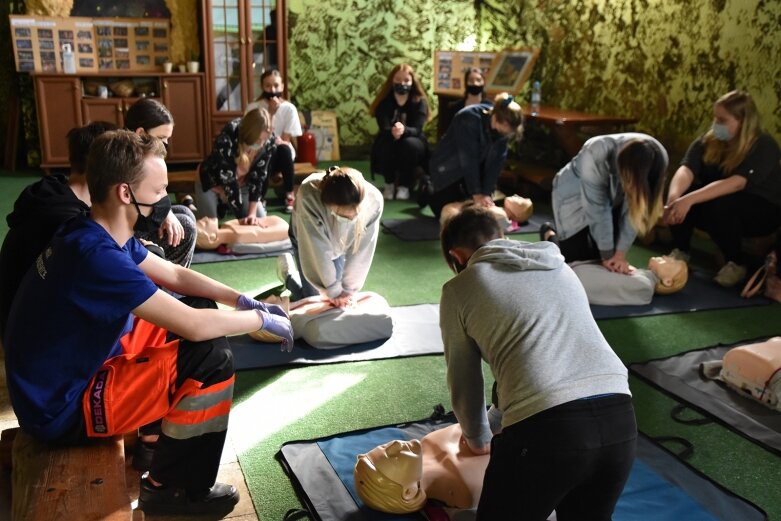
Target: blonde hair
<point>379,492</point>
<point>509,111</point>
<point>417,93</point>
<point>252,125</point>
<point>344,186</point>
<point>727,155</point>
<point>642,170</point>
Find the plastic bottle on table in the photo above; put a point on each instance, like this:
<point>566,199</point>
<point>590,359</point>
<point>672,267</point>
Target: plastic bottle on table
<point>536,97</point>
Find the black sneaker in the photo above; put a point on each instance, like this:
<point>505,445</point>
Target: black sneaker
<point>217,500</point>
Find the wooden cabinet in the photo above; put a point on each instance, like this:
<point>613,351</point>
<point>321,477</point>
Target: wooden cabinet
<point>63,104</point>
<point>59,110</point>
<point>242,39</point>
<point>183,96</point>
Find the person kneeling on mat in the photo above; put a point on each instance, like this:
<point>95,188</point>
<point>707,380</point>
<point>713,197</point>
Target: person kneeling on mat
<point>568,426</point>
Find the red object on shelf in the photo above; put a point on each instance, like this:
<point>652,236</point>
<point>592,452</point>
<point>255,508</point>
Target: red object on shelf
<point>307,148</point>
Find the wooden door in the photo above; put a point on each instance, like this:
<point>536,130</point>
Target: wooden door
<point>59,110</point>
<point>100,109</point>
<point>183,96</point>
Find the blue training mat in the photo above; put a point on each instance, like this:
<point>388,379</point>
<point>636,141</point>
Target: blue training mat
<point>415,332</point>
<point>701,293</point>
<point>427,228</point>
<point>660,487</point>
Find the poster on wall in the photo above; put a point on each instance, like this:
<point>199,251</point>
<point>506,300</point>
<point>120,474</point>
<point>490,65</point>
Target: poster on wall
<point>510,70</point>
<point>326,135</point>
<point>450,67</point>
<point>38,41</point>
<point>98,44</point>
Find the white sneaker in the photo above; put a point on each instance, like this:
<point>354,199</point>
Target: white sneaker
<point>730,274</point>
<point>286,265</point>
<point>402,193</point>
<point>679,255</point>
<point>388,191</point>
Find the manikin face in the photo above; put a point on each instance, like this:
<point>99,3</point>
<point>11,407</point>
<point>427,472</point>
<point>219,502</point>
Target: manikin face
<point>273,84</point>
<point>722,117</point>
<point>666,268</point>
<point>401,462</point>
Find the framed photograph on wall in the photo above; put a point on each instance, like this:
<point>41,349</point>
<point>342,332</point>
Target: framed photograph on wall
<point>510,70</point>
<point>450,66</point>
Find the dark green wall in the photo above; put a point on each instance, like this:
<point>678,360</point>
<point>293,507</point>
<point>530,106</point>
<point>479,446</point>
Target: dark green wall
<point>662,61</point>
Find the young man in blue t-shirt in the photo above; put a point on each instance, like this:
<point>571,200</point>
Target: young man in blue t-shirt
<point>94,348</point>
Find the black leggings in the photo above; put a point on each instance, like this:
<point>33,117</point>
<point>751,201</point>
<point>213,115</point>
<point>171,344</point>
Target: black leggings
<point>574,458</point>
<point>281,161</point>
<point>727,220</point>
<point>397,159</point>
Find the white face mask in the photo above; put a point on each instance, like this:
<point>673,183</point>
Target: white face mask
<point>341,219</point>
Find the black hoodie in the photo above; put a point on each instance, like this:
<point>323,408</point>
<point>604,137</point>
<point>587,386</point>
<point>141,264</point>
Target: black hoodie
<point>38,212</point>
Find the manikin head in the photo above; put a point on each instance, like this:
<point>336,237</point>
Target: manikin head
<point>671,272</point>
<point>387,477</point>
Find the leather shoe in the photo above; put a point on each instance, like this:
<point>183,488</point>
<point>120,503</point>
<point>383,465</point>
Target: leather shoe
<point>217,500</point>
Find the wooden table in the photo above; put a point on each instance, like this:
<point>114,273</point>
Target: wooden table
<point>566,125</point>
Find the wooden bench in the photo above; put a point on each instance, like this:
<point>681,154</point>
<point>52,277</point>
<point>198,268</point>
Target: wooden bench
<point>66,483</point>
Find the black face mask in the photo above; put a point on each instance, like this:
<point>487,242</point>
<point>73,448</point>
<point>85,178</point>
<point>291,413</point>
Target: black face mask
<point>269,95</point>
<point>474,90</point>
<point>401,88</point>
<point>496,135</point>
<point>152,222</point>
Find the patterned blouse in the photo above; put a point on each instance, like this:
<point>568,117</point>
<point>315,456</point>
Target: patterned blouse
<point>219,169</point>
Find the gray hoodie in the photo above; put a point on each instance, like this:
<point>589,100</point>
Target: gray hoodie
<point>519,307</point>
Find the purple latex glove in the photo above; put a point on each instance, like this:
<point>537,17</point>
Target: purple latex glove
<point>277,325</point>
<point>244,302</point>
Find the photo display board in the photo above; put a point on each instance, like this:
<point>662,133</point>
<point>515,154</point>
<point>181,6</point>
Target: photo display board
<point>98,44</point>
<point>450,66</point>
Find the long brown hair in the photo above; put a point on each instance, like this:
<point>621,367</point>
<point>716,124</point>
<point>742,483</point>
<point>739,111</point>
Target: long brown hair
<point>642,170</point>
<point>252,125</point>
<point>728,155</point>
<point>417,93</point>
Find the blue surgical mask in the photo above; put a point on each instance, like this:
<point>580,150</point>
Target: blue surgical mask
<point>721,132</point>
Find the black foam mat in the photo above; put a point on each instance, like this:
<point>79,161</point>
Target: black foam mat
<point>679,376</point>
<point>701,293</point>
<point>427,228</point>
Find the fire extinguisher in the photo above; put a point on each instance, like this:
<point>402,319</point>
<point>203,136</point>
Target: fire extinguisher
<point>307,148</point>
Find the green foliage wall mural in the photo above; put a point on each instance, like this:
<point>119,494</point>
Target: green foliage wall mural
<point>662,61</point>
<point>340,52</point>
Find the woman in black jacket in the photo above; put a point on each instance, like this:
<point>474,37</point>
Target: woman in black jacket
<point>401,109</point>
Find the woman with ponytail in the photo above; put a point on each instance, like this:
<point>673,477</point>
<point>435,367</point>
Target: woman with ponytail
<point>469,157</point>
<point>728,184</point>
<point>609,193</point>
<point>234,174</point>
<point>333,228</point>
